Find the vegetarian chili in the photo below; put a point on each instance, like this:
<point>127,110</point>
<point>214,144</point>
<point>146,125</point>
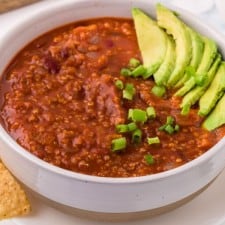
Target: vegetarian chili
<point>64,99</point>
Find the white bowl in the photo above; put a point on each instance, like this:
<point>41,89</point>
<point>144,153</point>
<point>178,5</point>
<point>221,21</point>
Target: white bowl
<point>98,194</point>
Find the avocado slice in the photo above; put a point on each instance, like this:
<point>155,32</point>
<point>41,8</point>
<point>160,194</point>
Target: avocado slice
<point>161,76</point>
<point>174,26</point>
<point>197,52</point>
<point>152,40</point>
<point>210,51</point>
<point>217,117</point>
<point>194,95</point>
<point>214,92</point>
<point>209,54</point>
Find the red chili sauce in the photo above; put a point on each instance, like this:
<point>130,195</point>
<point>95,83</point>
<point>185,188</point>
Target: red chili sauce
<point>59,101</point>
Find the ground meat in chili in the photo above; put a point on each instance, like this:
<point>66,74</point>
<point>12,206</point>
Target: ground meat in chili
<point>59,101</point>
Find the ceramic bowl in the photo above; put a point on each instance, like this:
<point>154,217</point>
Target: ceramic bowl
<point>98,194</point>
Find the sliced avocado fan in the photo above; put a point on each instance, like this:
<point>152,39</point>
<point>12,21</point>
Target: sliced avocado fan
<point>179,57</point>
<point>194,95</point>
<point>197,52</point>
<point>174,26</point>
<point>216,89</point>
<point>152,40</point>
<point>210,50</point>
<point>217,117</point>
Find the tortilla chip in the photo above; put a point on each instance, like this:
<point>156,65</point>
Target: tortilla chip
<point>13,200</point>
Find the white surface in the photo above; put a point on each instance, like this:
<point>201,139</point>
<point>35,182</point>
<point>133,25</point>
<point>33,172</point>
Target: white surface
<point>198,6</point>
<point>206,209</point>
<point>220,4</point>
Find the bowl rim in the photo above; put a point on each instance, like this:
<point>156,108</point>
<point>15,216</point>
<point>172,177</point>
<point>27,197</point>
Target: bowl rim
<point>109,180</point>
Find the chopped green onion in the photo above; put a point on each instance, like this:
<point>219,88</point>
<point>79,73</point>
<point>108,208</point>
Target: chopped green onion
<point>119,84</point>
<point>151,112</point>
<point>169,129</point>
<point>153,140</point>
<point>127,95</point>
<point>169,126</point>
<point>139,71</point>
<point>177,127</point>
<point>132,126</point>
<point>136,136</point>
<point>133,63</point>
<point>169,120</point>
<point>121,128</point>
<point>130,87</point>
<point>159,91</point>
<point>119,144</point>
<point>162,127</point>
<point>129,91</point>
<point>137,115</point>
<point>149,159</point>
<point>125,72</point>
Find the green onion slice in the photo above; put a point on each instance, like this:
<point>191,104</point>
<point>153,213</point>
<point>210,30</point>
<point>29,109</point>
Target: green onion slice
<point>149,159</point>
<point>177,128</point>
<point>125,72</point>
<point>169,129</point>
<point>137,136</point>
<point>129,91</point>
<point>169,120</point>
<point>119,144</point>
<point>158,91</point>
<point>119,84</point>
<point>133,63</point>
<point>162,127</point>
<point>137,115</point>
<point>153,140</point>
<point>122,128</point>
<point>127,95</point>
<point>131,126</point>
<point>151,112</point>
